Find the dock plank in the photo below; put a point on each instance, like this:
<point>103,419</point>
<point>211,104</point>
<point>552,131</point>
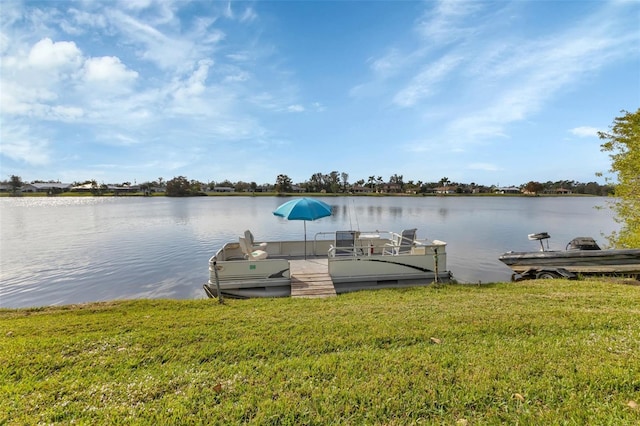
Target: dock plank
<point>310,278</point>
<point>312,285</point>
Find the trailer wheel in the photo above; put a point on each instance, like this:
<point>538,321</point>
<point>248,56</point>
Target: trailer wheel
<point>547,275</point>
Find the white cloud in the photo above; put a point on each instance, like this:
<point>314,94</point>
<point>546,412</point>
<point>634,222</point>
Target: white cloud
<point>165,51</point>
<point>195,85</point>
<point>35,79</point>
<point>249,15</point>
<point>389,63</point>
<point>228,12</point>
<point>239,56</point>
<point>426,82</point>
<point>66,113</point>
<point>444,22</point>
<point>585,132</point>
<point>510,80</point>
<point>156,12</point>
<point>5,42</point>
<point>46,54</point>
<point>136,4</point>
<point>19,144</point>
<point>108,70</point>
<point>484,82</point>
<point>240,76</point>
<point>318,107</point>
<point>18,99</point>
<point>295,108</point>
<point>121,139</point>
<point>81,20</point>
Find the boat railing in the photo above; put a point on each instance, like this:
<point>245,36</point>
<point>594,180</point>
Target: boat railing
<point>357,243</point>
<point>331,235</point>
<point>364,243</point>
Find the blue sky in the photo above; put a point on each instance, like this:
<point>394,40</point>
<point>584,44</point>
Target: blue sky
<point>491,92</point>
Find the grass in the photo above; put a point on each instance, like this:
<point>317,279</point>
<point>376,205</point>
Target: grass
<point>543,352</point>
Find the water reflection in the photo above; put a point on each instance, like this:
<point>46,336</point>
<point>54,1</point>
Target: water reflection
<point>71,250</point>
<point>375,212</point>
<point>395,212</point>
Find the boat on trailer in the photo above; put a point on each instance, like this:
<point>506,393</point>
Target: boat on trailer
<point>331,263</point>
<point>582,255</point>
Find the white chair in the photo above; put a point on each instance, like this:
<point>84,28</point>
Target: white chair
<point>249,237</point>
<point>249,252</point>
<point>402,242</point>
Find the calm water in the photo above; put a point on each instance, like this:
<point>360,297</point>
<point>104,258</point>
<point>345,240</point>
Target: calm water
<point>71,250</point>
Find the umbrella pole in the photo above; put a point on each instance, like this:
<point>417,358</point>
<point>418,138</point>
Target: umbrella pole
<point>305,239</point>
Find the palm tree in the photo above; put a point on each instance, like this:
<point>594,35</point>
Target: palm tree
<point>371,182</point>
<point>444,182</point>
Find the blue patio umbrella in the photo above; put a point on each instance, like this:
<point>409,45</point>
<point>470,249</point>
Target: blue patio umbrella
<point>303,209</point>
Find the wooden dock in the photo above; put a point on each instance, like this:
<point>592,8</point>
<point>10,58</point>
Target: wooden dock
<point>310,278</point>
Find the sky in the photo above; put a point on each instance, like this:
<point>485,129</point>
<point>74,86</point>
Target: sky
<point>489,92</point>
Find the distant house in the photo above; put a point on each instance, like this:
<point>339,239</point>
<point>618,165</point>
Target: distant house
<point>507,190</point>
<point>49,187</point>
<point>123,189</point>
<point>85,187</point>
<point>392,187</point>
<point>357,189</point>
<point>260,188</point>
<point>445,190</point>
<point>223,189</point>
<point>563,191</point>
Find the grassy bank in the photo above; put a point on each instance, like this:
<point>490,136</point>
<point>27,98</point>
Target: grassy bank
<point>546,352</point>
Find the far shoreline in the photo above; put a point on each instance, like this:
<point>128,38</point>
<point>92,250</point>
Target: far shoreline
<point>284,195</point>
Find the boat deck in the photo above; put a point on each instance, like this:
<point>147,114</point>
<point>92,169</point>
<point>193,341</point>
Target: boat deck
<point>310,278</point>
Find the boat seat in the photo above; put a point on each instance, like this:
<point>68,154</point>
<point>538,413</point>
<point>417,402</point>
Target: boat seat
<point>345,243</point>
<point>249,237</point>
<point>402,242</point>
<point>249,252</point>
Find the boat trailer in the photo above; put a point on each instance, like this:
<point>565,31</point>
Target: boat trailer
<point>544,274</point>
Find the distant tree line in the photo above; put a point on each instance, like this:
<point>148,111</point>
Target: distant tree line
<point>330,183</point>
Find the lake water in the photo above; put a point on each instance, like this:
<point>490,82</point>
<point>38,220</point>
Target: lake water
<point>80,249</point>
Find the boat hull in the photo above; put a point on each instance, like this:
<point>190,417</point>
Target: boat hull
<point>586,262</point>
<point>377,272</point>
<point>250,291</point>
<point>242,279</point>
<point>369,266</point>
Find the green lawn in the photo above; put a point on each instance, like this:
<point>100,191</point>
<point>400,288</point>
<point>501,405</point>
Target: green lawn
<point>530,353</point>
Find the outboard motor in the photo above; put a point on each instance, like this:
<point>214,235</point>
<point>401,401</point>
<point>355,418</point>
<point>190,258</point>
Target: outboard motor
<point>583,243</point>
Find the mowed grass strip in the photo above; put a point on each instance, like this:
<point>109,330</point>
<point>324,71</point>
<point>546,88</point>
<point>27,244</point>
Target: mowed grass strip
<point>543,352</point>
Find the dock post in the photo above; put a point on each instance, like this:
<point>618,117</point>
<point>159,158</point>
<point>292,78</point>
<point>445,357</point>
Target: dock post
<point>215,272</point>
<point>435,258</point>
